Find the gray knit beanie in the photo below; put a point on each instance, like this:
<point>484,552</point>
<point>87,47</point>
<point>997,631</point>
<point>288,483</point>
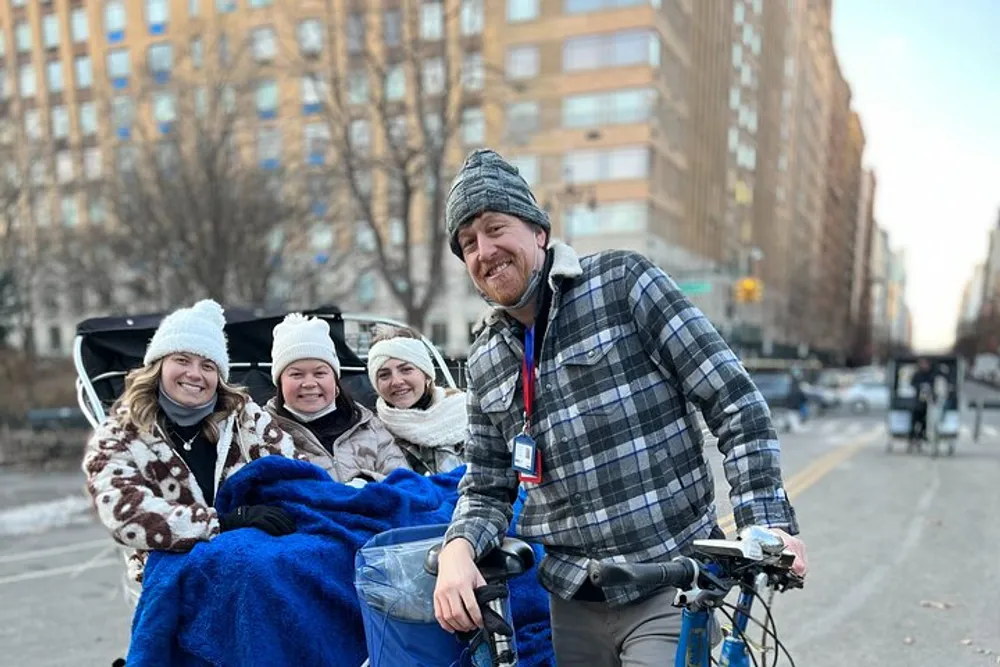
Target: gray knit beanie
<point>487,182</point>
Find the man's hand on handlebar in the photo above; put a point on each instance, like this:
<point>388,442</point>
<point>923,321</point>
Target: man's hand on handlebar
<point>455,605</point>
<point>801,563</point>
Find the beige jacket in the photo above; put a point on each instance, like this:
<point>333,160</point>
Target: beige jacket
<point>366,449</point>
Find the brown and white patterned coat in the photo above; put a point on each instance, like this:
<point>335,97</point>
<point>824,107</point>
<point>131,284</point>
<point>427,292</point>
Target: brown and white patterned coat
<point>146,495</point>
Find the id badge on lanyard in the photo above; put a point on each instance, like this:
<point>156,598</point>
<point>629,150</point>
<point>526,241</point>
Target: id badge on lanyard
<point>526,457</point>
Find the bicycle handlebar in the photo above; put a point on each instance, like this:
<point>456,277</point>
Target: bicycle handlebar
<point>680,573</point>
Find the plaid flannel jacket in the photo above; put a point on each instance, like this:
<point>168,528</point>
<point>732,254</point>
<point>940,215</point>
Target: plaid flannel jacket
<point>624,473</point>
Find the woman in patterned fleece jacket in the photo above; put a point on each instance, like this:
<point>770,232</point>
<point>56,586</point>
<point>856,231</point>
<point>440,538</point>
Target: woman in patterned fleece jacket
<point>176,434</point>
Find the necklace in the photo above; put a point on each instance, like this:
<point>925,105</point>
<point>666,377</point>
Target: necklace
<point>185,444</point>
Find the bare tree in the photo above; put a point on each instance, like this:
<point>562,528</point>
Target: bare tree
<point>399,113</point>
<point>203,205</point>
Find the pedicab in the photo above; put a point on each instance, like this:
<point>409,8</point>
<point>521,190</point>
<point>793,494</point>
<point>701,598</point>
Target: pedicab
<point>944,404</point>
<point>107,348</point>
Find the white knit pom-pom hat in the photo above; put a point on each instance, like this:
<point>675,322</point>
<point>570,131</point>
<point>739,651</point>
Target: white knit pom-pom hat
<point>299,337</point>
<point>196,330</point>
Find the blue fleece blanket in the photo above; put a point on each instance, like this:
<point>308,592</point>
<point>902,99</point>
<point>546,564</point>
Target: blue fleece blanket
<point>246,598</point>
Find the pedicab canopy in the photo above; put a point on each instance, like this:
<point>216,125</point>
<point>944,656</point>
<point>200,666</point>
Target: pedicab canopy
<point>114,345</point>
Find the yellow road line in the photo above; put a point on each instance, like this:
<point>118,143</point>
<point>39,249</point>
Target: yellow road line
<point>811,474</point>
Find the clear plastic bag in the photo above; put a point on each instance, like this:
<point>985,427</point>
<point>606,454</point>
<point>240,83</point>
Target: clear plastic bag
<point>392,580</point>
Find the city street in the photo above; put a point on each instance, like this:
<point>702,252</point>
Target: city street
<point>903,567</point>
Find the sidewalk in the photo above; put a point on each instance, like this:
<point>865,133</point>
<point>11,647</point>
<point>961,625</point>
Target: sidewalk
<point>34,502</point>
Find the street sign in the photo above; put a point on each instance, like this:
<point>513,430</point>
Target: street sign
<point>695,287</point>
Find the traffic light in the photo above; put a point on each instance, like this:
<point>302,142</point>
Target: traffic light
<point>748,290</point>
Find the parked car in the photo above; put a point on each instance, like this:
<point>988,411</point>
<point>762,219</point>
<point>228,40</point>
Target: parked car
<point>866,395</point>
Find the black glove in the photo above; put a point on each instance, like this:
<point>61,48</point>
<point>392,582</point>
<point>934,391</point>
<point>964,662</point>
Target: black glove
<point>272,520</point>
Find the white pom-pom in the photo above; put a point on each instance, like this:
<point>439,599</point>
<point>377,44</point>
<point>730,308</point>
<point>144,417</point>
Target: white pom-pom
<point>211,310</point>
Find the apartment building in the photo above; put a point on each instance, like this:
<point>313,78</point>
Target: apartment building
<point>84,83</point>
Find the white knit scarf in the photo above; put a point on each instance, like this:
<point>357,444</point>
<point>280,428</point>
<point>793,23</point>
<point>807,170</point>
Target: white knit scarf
<point>443,423</point>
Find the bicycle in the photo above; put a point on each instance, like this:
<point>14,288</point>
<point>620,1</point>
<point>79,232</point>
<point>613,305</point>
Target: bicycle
<point>703,581</point>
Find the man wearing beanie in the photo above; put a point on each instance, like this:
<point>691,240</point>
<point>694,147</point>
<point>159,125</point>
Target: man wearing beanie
<point>579,386</point>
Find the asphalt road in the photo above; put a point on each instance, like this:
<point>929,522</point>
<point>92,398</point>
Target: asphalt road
<point>903,567</point>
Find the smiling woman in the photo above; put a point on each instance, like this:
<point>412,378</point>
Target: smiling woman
<point>429,422</point>
<point>328,426</point>
<point>176,434</point>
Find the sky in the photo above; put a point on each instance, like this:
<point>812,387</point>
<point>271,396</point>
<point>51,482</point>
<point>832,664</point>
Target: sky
<point>926,82</point>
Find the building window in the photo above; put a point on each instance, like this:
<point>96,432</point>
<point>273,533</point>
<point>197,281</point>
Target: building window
<point>164,109</point>
<point>197,53</point>
<point>33,124</point>
<point>161,61</point>
<point>50,31</point>
<point>432,21</point>
<point>439,333</point>
<point>617,217</point>
<point>357,87</point>
<point>22,37</point>
<point>473,71</point>
<point>473,127</point>
<point>114,20</point>
<point>265,48</point>
<point>611,108</point>
<point>433,76</point>
<point>317,138</point>
<point>584,6</point>
<point>269,147</point>
<point>225,6</point>
<point>522,62</point>
<point>521,10</point>
<point>312,94</point>
<point>121,111</point>
<point>70,215</point>
<point>26,80</point>
<point>527,166</point>
<point>523,118</point>
<point>310,33</point>
<point>88,119</point>
<point>53,72</point>
<point>194,7</point>
<point>395,83</point>
<point>471,17</point>
<point>261,3</point>
<point>364,236</point>
<point>366,288</point>
<point>157,16</point>
<point>84,72</point>
<point>360,136</point>
<point>267,99</point>
<point>355,33</point>
<point>92,164</point>
<point>392,28</point>
<point>64,167</point>
<point>118,65</point>
<point>60,122</point>
<point>618,49</point>
<point>622,163</point>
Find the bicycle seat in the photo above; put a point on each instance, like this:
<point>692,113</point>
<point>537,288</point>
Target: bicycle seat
<point>512,558</point>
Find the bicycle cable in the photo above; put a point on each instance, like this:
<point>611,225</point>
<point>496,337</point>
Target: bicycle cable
<point>774,632</point>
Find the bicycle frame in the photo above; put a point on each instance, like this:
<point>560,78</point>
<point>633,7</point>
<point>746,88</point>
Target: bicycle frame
<point>695,646</point>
